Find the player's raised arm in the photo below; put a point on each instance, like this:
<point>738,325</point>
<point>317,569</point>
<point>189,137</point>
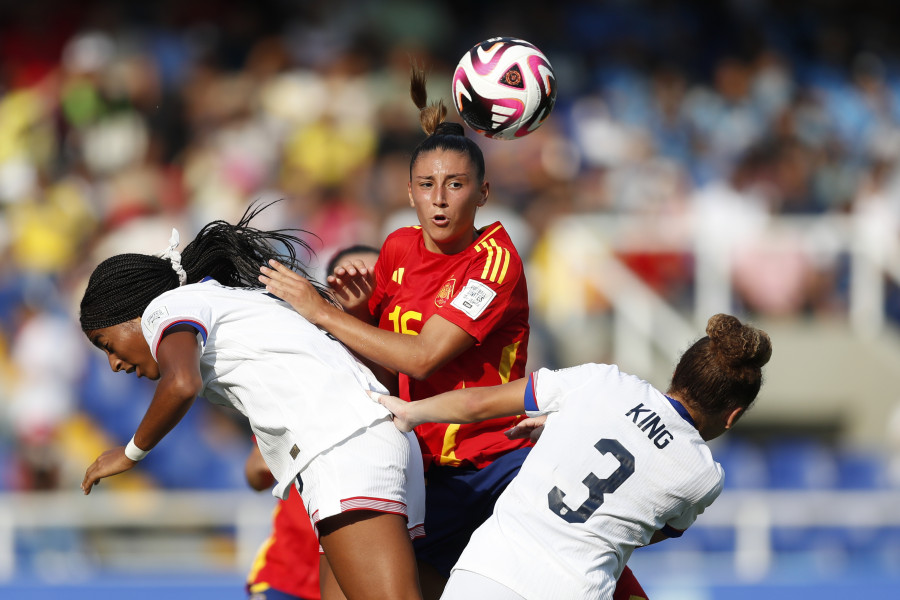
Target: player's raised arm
<point>458,406</point>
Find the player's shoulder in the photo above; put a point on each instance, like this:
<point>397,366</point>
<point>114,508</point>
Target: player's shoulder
<point>704,479</point>
<point>403,235</point>
<point>188,303</point>
<point>584,371</point>
<point>494,253</point>
<point>173,295</point>
<point>399,246</point>
<point>400,242</point>
<point>192,295</point>
<point>580,381</point>
<point>495,235</point>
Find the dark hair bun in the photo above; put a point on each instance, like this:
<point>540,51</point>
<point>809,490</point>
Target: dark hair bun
<point>449,128</point>
<point>738,345</point>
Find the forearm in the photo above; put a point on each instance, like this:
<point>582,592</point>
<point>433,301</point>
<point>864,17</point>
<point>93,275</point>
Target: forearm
<point>394,351</point>
<point>171,401</point>
<point>418,355</point>
<point>357,310</point>
<point>469,405</point>
<point>180,382</point>
<point>387,376</point>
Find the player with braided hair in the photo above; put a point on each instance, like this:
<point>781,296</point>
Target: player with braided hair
<point>199,324</point>
<point>619,464</point>
<point>230,254</point>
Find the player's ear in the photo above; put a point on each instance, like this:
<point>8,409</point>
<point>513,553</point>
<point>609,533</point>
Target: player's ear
<point>733,417</point>
<point>409,193</point>
<point>485,192</point>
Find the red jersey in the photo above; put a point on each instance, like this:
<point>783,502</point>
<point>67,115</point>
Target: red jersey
<point>628,588</point>
<point>289,560</point>
<point>482,290</point>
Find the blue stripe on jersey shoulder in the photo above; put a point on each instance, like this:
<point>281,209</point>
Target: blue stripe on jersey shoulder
<point>530,400</point>
<point>679,407</point>
<point>200,328</point>
<point>671,532</point>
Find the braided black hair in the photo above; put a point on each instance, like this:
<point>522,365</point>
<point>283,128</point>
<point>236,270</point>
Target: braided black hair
<point>121,287</point>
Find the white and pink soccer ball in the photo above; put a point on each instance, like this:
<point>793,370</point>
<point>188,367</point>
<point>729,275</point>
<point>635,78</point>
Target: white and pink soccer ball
<point>504,88</point>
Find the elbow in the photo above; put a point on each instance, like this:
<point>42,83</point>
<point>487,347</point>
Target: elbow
<point>420,373</point>
<point>425,355</point>
<point>422,367</point>
<point>259,479</point>
<point>186,386</point>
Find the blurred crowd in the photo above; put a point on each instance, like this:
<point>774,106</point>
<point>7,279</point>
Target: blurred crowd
<point>120,120</point>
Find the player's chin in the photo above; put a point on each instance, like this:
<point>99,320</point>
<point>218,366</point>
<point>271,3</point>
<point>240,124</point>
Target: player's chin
<point>446,235</point>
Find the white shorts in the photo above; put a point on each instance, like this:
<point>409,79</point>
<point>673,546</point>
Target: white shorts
<point>379,468</point>
<point>464,585</point>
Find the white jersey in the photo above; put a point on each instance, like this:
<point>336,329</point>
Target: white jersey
<point>616,462</point>
<point>302,391</point>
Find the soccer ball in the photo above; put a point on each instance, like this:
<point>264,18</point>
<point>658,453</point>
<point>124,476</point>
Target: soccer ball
<point>504,88</point>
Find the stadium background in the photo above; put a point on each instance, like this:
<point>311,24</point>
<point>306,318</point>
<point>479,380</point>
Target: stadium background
<point>709,156</point>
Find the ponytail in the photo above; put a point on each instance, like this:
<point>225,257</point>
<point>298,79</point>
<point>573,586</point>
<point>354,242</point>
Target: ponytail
<point>442,135</point>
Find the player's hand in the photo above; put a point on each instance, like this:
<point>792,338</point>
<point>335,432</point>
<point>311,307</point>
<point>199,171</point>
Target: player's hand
<point>353,283</point>
<point>531,428</point>
<point>293,288</point>
<point>399,408</point>
<point>111,462</point>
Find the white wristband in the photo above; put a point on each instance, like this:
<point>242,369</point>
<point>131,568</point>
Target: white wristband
<point>133,452</point>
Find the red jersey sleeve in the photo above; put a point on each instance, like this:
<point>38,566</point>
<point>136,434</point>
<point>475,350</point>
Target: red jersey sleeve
<point>628,587</point>
<point>489,291</point>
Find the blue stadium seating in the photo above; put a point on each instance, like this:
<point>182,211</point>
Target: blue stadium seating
<point>744,463</point>
<point>861,470</point>
<point>801,464</point>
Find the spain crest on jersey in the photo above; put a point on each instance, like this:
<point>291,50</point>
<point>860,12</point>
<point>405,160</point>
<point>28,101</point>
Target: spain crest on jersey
<point>445,294</point>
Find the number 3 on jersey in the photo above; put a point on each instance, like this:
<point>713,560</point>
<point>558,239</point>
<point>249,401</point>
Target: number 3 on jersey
<point>401,319</point>
<point>596,486</point>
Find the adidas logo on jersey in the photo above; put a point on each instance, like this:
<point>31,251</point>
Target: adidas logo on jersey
<point>497,260</point>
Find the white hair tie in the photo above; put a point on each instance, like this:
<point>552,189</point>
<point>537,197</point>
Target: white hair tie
<point>174,256</point>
